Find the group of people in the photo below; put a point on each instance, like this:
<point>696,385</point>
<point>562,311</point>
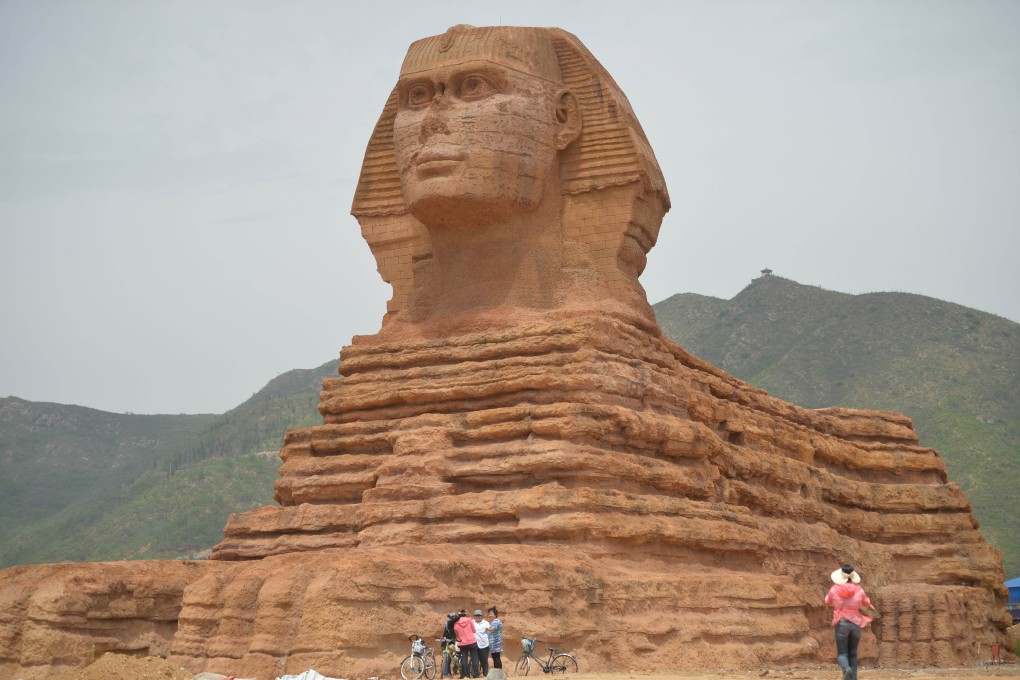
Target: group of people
<point>477,637</point>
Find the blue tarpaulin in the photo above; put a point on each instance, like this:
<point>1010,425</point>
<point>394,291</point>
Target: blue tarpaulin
<point>1014,589</point>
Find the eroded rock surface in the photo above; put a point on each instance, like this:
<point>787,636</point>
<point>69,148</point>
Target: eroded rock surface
<point>54,617</point>
<point>663,483</point>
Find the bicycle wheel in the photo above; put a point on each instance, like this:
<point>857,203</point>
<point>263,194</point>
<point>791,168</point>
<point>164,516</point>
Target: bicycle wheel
<point>412,667</point>
<point>430,666</point>
<point>563,663</point>
<point>523,666</point>
<point>447,662</point>
<point>455,663</point>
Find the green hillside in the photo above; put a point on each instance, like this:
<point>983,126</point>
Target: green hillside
<point>182,514</point>
<point>64,466</point>
<point>82,484</point>
<point>288,400</point>
<point>955,371</point>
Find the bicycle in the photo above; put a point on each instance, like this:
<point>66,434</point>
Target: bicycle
<point>556,663</point>
<point>421,662</point>
<point>451,655</point>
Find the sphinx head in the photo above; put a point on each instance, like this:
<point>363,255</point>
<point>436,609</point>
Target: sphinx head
<point>515,147</point>
<point>482,116</point>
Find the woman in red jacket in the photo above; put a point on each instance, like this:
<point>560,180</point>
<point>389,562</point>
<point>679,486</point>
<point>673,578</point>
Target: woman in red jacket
<point>464,629</point>
<point>847,598</point>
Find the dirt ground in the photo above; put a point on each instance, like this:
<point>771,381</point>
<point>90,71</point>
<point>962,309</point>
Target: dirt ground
<point>117,667</point>
<point>120,667</point>
<point>826,673</point>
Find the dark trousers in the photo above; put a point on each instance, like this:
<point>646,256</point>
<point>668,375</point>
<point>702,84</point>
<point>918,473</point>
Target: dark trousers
<point>483,660</point>
<point>469,660</point>
<point>848,636</point>
<point>496,661</point>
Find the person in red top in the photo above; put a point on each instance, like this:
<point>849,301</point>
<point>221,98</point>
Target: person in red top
<point>847,598</point>
<point>464,629</point>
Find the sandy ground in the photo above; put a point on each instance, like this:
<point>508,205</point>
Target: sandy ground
<point>120,667</point>
<point>116,667</point>
<point>827,673</point>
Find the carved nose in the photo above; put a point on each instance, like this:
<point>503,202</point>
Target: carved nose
<point>434,122</point>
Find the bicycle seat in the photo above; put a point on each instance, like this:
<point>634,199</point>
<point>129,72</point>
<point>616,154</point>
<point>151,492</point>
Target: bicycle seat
<point>553,650</point>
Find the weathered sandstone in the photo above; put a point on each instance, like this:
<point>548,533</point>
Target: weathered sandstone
<point>59,616</point>
<point>520,433</point>
<point>702,515</point>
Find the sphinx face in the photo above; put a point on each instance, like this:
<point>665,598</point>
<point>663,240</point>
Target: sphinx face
<point>474,142</point>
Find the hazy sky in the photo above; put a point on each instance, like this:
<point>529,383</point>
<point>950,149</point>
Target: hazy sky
<point>176,177</point>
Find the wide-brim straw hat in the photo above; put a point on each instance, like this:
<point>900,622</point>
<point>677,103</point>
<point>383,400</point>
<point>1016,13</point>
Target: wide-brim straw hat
<point>844,574</point>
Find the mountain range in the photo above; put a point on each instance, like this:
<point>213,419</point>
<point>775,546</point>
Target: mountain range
<point>82,484</point>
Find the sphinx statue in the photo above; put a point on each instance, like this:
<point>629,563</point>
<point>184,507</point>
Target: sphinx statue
<point>521,398</point>
<point>520,432</point>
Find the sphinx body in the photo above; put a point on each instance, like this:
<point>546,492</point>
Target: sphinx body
<point>520,432</point>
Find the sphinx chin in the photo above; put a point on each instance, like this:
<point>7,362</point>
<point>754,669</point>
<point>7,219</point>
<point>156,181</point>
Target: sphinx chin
<point>468,210</point>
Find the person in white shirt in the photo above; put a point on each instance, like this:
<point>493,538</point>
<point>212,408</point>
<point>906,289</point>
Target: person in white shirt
<point>482,637</point>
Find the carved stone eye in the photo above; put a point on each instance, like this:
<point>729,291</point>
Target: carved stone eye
<point>419,95</point>
<point>475,87</point>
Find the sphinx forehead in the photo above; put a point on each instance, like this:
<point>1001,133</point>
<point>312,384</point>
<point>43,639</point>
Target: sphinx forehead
<point>526,50</point>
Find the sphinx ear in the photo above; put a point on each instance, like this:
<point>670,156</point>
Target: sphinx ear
<point>568,119</point>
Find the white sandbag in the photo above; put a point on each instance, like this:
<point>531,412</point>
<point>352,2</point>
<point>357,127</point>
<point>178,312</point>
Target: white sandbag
<point>307,675</point>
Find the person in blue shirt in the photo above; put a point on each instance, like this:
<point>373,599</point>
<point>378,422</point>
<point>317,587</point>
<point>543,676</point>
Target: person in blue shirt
<point>495,637</point>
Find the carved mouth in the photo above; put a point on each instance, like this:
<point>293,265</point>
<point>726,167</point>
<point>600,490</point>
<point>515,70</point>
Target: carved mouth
<point>436,168</point>
<point>435,162</point>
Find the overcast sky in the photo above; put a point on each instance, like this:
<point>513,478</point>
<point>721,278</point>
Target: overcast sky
<point>176,177</point>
